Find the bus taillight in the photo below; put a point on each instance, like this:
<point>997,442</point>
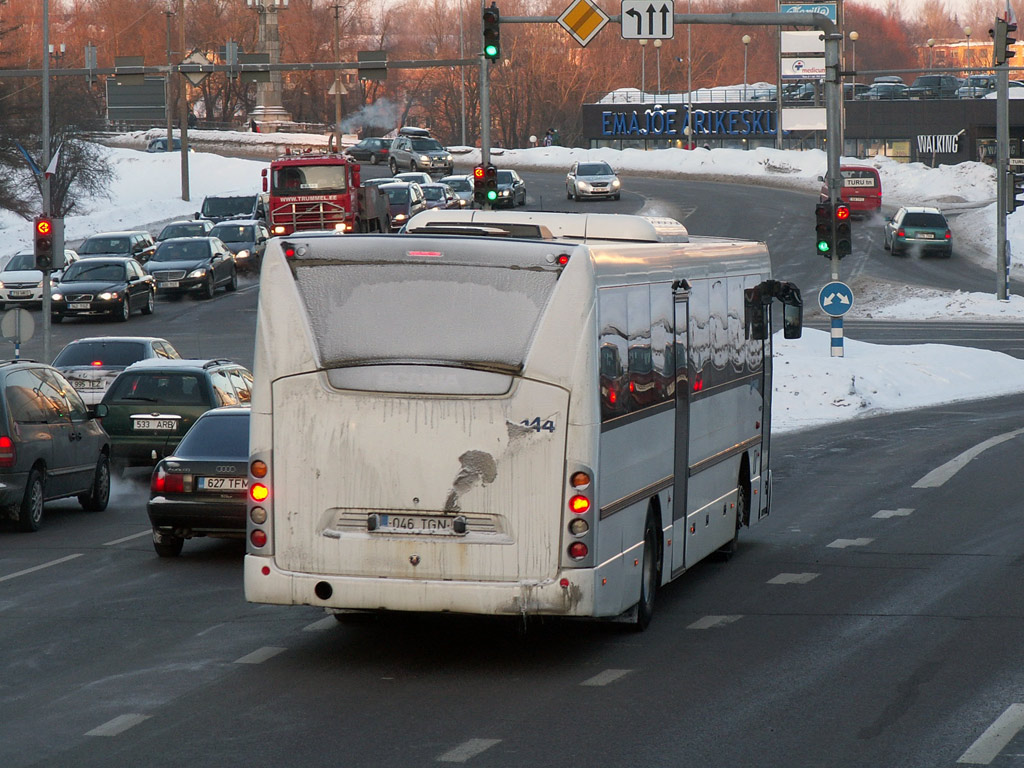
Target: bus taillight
<point>578,550</point>
<point>258,538</point>
<point>258,469</point>
<point>579,480</point>
<point>259,492</point>
<point>579,504</point>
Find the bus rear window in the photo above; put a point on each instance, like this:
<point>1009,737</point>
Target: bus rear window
<point>424,313</point>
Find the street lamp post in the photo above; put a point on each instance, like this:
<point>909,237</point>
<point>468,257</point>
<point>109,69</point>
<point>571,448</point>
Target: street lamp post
<point>169,14</point>
<point>853,52</point>
<point>931,52</point>
<point>689,86</point>
<point>643,69</point>
<point>657,47</point>
<point>746,45</point>
<point>269,108</point>
<point>967,32</point>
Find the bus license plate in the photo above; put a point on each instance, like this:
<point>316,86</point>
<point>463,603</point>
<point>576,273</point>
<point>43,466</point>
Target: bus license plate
<point>223,483</point>
<point>415,523</point>
<point>79,305</point>
<point>163,425</point>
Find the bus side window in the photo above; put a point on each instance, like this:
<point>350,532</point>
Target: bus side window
<point>613,352</point>
<point>639,359</point>
<point>662,357</point>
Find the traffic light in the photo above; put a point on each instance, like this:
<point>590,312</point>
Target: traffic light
<point>823,228</point>
<point>492,32</point>
<point>1014,191</point>
<point>1002,43</point>
<point>43,239</point>
<point>479,185</point>
<point>491,184</point>
<point>844,240</point>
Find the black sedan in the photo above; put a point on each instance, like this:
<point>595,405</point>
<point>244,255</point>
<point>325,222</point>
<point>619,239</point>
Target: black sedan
<point>246,238</point>
<point>511,189</point>
<point>200,489</point>
<point>106,285</point>
<point>200,264</point>
<point>373,148</point>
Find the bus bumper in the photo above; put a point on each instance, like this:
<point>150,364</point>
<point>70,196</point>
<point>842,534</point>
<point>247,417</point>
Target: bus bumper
<point>571,593</point>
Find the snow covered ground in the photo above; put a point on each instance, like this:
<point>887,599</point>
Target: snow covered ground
<point>811,387</point>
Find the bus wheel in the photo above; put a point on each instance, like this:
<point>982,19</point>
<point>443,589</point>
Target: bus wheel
<point>650,575</point>
<point>728,549</point>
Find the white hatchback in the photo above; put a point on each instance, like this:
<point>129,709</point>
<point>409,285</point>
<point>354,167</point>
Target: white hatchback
<point>22,283</point>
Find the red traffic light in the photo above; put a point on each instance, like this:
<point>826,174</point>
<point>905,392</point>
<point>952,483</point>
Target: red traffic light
<point>842,212</point>
<point>478,172</point>
<point>44,226</point>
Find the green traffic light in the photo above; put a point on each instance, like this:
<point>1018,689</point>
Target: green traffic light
<point>492,195</point>
<point>491,51</point>
<point>823,246</point>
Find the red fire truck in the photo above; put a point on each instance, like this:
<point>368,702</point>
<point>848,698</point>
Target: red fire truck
<point>321,191</point>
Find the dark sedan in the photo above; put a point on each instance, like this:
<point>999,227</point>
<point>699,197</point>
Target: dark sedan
<point>200,264</point>
<point>511,189</point>
<point>373,148</point>
<point>105,285</point>
<point>200,489</point>
<point>246,238</point>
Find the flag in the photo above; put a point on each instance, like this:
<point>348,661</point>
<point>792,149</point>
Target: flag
<point>29,160</point>
<point>52,167</point>
<point>1010,17</point>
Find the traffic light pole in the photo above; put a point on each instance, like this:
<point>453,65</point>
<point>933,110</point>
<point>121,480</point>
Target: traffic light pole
<point>45,182</point>
<point>1002,193</point>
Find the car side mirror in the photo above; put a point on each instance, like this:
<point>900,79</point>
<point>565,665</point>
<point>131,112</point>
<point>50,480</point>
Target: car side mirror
<point>99,410</point>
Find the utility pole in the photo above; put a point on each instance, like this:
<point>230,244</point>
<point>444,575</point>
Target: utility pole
<point>167,85</point>
<point>337,85</point>
<point>183,114</point>
<point>45,181</point>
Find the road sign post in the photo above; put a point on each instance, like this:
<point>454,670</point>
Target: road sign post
<point>836,299</point>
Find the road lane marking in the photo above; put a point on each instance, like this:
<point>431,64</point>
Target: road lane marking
<point>138,535</point>
<point>996,736</point>
<point>316,626</point>
<point>467,750</point>
<point>710,622</point>
<point>606,677</point>
<point>39,567</point>
<point>793,578</point>
<point>940,475</point>
<point>118,725</point>
<point>887,513</point>
<point>260,655</point>
<point>844,543</point>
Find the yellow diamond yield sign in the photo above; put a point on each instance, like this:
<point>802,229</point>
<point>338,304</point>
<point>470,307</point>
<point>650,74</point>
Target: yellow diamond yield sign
<point>583,20</point>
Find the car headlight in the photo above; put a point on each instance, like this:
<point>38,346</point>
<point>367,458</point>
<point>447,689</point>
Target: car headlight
<point>584,186</point>
<point>242,254</point>
<point>424,159</point>
<point>400,217</point>
<point>201,272</point>
<point>1,285</point>
<point>107,295</point>
<point>503,193</point>
<point>57,297</point>
<point>616,184</point>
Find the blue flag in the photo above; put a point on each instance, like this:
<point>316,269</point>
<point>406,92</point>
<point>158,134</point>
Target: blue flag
<point>31,163</point>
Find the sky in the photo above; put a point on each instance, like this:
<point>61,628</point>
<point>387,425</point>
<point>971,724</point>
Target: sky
<point>811,387</point>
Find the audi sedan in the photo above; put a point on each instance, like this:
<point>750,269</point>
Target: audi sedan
<point>113,286</point>
<point>200,489</point>
<point>592,180</point>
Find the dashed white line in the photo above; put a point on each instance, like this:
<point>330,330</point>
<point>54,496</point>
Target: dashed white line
<point>320,624</point>
<point>260,655</point>
<point>606,677</point>
<point>39,567</point>
<point>467,750</point>
<point>995,737</point>
<point>793,578</point>
<point>118,725</point>
<point>844,543</point>
<point>940,475</point>
<point>710,622</point>
<point>138,535</point>
<point>887,513</point>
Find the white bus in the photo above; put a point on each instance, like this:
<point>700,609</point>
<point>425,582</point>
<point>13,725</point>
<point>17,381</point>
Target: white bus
<point>506,413</point>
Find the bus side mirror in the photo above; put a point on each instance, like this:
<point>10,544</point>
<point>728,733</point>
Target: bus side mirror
<point>792,320</point>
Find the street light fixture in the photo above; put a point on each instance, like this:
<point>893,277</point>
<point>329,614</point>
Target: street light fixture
<point>746,44</point>
<point>643,68</point>
<point>657,47</point>
<point>853,51</point>
<point>931,52</point>
<point>967,32</point>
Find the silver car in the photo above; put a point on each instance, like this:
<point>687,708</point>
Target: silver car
<point>592,179</point>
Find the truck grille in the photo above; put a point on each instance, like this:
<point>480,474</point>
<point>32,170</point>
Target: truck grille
<point>323,214</point>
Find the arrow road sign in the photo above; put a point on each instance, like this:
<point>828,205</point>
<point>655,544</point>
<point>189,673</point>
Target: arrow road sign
<point>835,299</point>
<point>647,19</point>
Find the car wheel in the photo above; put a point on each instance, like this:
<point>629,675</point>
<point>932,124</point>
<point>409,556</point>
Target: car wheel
<point>393,166</point>
<point>123,312</point>
<point>374,159</point>
<point>650,575</point>
<point>30,515</point>
<point>96,498</point>
<point>167,545</point>
<point>209,288</point>
<point>56,318</point>
<point>150,304</point>
<point>568,192</point>
<point>233,283</point>
<point>885,242</point>
<point>617,196</point>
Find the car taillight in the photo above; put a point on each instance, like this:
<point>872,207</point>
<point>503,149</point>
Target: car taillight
<point>163,482</point>
<point>900,232</point>
<point>8,455</point>
<point>949,235</point>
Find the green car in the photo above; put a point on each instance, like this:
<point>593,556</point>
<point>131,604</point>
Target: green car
<point>918,231</point>
<point>153,403</point>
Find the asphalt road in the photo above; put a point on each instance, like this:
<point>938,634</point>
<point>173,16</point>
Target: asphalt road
<point>873,619</point>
